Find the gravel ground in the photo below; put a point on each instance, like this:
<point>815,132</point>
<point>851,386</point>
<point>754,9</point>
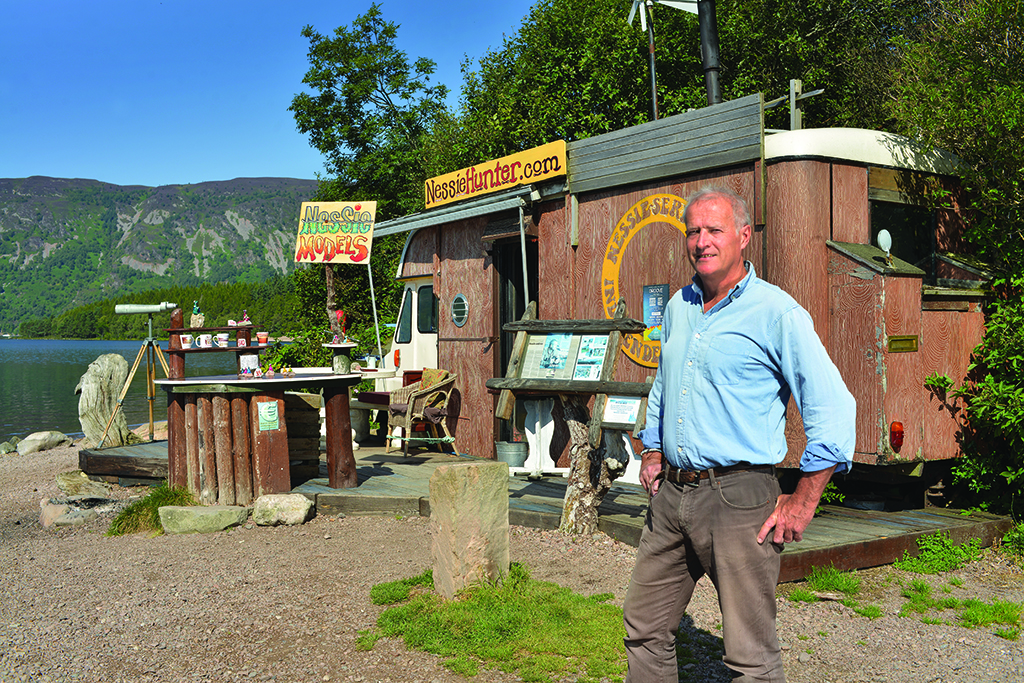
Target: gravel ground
<point>285,604</point>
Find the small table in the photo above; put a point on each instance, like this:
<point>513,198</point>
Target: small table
<point>226,437</point>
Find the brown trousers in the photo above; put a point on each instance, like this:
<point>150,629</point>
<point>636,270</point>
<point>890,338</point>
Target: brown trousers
<point>708,528</point>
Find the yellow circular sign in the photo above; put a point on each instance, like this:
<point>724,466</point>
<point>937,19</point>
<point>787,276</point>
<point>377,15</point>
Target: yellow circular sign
<point>655,208</point>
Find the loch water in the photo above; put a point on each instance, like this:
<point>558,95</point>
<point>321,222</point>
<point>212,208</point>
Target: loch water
<point>38,379</point>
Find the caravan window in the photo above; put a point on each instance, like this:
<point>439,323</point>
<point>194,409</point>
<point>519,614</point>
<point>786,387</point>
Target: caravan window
<point>403,331</point>
<point>912,229</point>
<point>426,310</point>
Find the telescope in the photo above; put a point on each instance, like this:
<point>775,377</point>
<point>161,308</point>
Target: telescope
<point>150,348</point>
<point>125,309</point>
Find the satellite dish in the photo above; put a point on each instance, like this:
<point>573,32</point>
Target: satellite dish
<point>884,241</point>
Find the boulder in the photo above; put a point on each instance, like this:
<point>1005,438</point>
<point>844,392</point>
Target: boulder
<point>99,389</point>
<point>42,441</point>
<point>200,519</point>
<point>7,447</point>
<point>75,517</point>
<point>77,482</point>
<point>159,431</point>
<point>50,511</point>
<point>282,508</point>
<point>469,525</point>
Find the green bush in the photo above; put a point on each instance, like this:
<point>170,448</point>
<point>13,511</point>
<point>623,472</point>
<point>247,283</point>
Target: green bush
<point>144,514</point>
<point>991,397</point>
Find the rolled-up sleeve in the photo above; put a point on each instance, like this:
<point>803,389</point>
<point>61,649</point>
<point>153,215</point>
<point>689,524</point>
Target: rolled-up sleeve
<point>827,407</point>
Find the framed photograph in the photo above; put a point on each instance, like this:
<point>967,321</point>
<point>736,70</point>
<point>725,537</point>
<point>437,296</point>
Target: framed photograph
<point>590,358</point>
<point>622,409</point>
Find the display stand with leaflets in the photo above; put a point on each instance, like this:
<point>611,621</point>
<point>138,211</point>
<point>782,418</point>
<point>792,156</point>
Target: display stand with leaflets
<point>574,361</point>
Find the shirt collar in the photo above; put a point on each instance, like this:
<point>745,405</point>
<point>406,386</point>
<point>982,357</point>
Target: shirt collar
<point>735,292</point>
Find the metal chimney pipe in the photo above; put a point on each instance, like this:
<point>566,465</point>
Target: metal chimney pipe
<point>709,49</point>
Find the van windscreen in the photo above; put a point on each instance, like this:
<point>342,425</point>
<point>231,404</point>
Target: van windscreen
<point>403,331</point>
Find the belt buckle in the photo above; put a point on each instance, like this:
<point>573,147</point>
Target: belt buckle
<point>688,477</point>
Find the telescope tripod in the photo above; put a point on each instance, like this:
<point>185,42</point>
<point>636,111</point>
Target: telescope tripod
<point>150,348</point>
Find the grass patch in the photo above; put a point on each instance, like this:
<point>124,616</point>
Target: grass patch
<point>144,514</point>
<point>831,580</point>
<point>971,613</point>
<point>868,611</point>
<point>802,595</point>
<point>394,592</point>
<point>535,629</point>
<point>939,554</point>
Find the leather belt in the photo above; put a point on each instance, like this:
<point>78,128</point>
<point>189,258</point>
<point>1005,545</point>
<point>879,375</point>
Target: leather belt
<point>678,476</point>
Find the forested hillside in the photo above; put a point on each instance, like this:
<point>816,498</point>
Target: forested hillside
<point>65,243</point>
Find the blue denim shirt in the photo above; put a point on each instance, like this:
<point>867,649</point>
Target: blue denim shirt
<point>725,376</point>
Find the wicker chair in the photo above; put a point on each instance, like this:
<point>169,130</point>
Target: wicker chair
<point>420,404</point>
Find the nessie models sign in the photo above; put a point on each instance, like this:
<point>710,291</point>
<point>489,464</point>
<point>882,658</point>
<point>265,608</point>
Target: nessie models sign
<point>335,232</point>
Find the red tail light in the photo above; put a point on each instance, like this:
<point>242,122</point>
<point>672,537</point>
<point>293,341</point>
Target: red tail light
<point>398,357</point>
<point>896,436</point>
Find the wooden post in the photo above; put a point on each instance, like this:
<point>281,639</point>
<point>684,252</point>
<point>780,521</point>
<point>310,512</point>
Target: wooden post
<point>341,465</point>
<point>177,460</point>
<point>222,446</point>
<point>607,372</point>
<point>241,449</point>
<point>207,452</point>
<point>506,400</point>
<point>177,364</point>
<point>192,444</point>
<point>269,446</point>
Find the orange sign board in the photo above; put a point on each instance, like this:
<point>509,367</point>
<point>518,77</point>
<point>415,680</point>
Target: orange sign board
<point>335,232</point>
<point>533,165</point>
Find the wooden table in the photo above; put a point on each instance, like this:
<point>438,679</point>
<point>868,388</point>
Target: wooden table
<point>227,441</point>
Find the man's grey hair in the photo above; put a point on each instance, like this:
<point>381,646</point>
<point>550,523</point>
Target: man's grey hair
<point>739,207</point>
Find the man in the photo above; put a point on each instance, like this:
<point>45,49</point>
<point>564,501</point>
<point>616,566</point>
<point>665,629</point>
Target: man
<point>733,350</point>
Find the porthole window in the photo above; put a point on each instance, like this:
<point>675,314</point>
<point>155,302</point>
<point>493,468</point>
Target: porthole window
<point>460,310</point>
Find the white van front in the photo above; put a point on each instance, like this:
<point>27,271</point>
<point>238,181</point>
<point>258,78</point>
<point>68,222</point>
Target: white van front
<point>414,343</point>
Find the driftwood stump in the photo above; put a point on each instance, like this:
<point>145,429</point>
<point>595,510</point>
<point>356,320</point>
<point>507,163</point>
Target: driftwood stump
<point>590,476</point>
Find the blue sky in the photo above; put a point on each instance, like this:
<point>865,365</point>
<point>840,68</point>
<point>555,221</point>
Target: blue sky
<point>151,92</point>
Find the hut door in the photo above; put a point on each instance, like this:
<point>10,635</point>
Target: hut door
<point>508,265</point>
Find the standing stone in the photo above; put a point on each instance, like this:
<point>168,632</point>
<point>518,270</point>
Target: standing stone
<point>99,388</point>
<point>469,525</point>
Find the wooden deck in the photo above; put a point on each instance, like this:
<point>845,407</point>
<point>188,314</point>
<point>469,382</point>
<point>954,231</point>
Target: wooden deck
<point>391,484</point>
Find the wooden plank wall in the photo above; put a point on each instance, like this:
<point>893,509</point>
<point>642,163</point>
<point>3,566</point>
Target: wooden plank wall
<point>904,377</point>
<point>855,345</point>
<point>470,351</point>
<point>851,213</point>
<point>711,137</point>
<point>947,337</point>
<point>420,253</point>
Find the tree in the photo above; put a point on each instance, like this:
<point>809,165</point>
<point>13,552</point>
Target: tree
<point>961,87</point>
<point>576,69</point>
<point>370,113</point>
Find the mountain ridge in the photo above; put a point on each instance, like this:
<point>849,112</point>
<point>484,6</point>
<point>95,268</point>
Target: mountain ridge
<point>65,242</point>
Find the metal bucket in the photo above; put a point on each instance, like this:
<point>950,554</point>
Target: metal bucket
<point>512,452</point>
